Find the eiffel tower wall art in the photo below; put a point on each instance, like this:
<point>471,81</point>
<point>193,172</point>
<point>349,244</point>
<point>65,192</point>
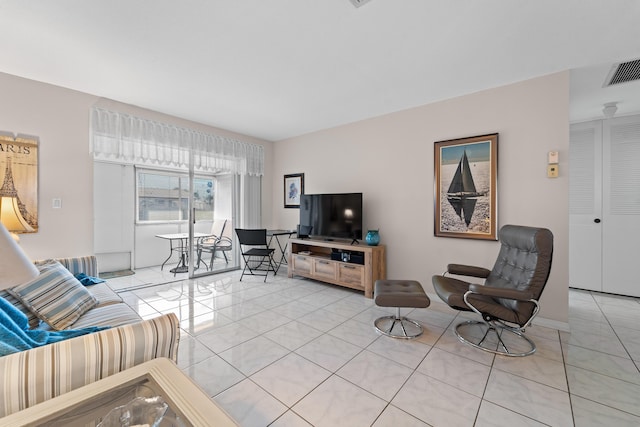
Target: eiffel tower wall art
<point>19,190</point>
<point>466,174</point>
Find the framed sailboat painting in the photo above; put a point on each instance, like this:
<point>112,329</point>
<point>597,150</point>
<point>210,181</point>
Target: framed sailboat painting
<point>466,173</point>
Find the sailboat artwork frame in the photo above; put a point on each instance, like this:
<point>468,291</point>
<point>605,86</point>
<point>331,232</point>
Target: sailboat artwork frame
<point>465,187</point>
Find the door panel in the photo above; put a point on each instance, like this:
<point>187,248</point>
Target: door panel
<point>585,206</point>
<point>621,203</point>
<point>212,199</point>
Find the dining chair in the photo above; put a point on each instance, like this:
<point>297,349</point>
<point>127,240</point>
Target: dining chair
<point>221,240</point>
<point>256,253</point>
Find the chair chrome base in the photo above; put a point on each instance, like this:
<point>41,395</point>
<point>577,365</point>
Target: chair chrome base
<point>477,334</point>
<point>407,328</point>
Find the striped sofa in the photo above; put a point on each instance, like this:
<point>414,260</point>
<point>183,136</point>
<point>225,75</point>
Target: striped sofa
<point>33,376</point>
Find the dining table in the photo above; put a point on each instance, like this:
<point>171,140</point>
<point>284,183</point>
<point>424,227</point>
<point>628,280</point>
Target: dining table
<point>276,235</point>
<point>179,242</point>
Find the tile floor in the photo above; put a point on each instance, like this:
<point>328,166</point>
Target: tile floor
<point>293,352</point>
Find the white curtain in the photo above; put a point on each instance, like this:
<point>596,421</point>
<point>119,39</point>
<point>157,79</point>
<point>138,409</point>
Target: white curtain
<point>126,139</point>
<point>250,201</point>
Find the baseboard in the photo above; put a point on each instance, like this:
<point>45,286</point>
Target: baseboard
<point>553,324</point>
<point>433,297</point>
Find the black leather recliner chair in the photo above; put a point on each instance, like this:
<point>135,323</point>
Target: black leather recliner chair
<point>508,300</point>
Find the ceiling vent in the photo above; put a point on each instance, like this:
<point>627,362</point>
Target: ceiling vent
<point>358,3</point>
<point>623,72</point>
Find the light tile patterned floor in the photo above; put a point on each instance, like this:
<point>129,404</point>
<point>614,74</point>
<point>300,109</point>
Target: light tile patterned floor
<point>293,352</point>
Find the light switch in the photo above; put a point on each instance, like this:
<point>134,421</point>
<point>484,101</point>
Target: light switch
<point>57,203</point>
<point>553,157</point>
<point>552,171</point>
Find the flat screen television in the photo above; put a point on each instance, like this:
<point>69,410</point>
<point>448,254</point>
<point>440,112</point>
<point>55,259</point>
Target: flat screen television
<point>332,216</point>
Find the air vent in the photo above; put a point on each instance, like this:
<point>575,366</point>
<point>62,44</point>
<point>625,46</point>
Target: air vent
<point>358,3</point>
<point>623,72</point>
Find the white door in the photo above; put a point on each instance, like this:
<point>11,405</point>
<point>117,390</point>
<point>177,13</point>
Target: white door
<point>604,205</point>
<point>211,198</point>
<point>621,203</point>
<point>585,206</point>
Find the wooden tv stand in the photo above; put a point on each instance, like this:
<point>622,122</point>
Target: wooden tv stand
<point>313,259</point>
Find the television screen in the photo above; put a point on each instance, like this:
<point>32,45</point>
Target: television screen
<point>332,215</point>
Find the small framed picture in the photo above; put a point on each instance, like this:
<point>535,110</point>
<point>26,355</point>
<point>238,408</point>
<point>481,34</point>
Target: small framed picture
<point>293,188</point>
<point>466,198</point>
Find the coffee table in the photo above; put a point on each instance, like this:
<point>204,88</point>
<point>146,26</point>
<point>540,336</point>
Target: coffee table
<point>188,404</point>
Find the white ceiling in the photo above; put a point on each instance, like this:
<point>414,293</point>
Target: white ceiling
<point>588,95</point>
<point>280,68</point>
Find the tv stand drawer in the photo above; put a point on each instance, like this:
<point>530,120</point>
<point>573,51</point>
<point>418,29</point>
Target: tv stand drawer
<point>351,274</point>
<point>301,264</point>
<point>323,268</point>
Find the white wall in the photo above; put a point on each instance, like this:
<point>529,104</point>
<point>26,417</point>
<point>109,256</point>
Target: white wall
<point>60,118</point>
<point>390,160</point>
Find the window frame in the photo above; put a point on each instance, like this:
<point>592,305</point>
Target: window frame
<point>183,178</point>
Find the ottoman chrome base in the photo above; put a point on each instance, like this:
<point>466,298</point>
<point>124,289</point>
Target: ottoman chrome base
<point>399,293</point>
<point>403,326</point>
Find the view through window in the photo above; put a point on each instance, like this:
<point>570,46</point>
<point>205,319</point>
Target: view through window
<point>164,196</point>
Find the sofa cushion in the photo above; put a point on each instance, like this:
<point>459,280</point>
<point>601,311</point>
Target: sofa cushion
<point>55,296</point>
<point>104,294</point>
<point>109,315</point>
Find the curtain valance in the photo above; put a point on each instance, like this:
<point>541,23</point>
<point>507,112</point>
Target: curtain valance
<point>122,138</point>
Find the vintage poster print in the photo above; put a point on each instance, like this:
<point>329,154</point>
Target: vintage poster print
<point>19,190</point>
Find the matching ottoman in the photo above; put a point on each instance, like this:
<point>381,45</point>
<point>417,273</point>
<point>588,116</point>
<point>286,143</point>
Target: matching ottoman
<point>399,293</point>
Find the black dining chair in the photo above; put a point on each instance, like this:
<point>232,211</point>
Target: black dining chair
<point>256,253</point>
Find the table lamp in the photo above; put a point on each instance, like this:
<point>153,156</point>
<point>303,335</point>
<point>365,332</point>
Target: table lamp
<point>10,214</point>
<point>15,266</point>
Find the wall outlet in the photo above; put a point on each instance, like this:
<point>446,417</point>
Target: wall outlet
<point>552,171</point>
<point>56,204</point>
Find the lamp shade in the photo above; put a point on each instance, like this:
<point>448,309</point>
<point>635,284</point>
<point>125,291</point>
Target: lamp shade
<point>11,217</point>
<point>15,266</point>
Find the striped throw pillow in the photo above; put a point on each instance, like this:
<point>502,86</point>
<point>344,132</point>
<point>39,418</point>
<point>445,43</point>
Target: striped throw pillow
<point>55,296</point>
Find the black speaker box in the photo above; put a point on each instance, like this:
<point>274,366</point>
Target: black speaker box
<point>357,258</point>
<point>345,256</point>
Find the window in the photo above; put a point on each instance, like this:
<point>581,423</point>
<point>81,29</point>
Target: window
<point>164,196</point>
